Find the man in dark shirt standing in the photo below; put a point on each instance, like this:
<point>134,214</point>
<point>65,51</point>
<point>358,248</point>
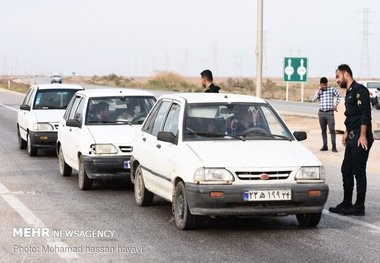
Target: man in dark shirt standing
<point>207,81</point>
<point>357,139</point>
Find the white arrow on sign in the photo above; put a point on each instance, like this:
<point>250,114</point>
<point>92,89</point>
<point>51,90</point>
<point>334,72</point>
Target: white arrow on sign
<point>289,70</point>
<point>301,70</point>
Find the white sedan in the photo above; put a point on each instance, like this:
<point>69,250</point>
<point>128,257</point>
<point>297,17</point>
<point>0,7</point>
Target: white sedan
<point>224,154</point>
<point>96,131</point>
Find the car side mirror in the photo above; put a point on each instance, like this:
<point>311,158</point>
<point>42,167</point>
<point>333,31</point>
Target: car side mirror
<point>167,137</point>
<point>25,107</point>
<point>300,135</point>
<point>73,123</point>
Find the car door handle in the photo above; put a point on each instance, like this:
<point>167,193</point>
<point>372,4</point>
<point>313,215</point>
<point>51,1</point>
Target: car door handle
<point>70,130</point>
<point>158,146</point>
<point>144,139</point>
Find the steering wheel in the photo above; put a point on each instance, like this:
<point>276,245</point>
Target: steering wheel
<point>257,130</point>
<point>138,117</point>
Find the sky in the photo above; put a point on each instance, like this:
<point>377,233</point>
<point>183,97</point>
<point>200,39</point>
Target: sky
<point>140,37</point>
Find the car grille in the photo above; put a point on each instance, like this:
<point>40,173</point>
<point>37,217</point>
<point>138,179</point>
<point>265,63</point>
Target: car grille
<point>276,175</point>
<point>126,149</point>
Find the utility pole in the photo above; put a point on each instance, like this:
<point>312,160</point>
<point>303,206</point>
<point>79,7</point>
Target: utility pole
<point>259,48</point>
<point>364,64</point>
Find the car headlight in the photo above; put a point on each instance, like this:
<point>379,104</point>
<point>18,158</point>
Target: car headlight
<point>311,173</point>
<point>213,176</point>
<point>39,126</point>
<point>103,149</point>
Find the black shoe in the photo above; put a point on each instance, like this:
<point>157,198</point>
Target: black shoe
<point>324,148</point>
<point>334,150</point>
<point>338,208</point>
<point>354,210</point>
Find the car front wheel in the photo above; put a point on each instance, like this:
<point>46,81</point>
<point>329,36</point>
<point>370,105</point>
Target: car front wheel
<point>184,220</point>
<point>309,219</point>
<point>142,195</point>
<point>21,142</point>
<point>32,151</point>
<point>64,168</point>
<point>85,183</point>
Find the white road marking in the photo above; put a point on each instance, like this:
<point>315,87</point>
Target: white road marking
<point>374,228</point>
<point>9,108</point>
<point>31,219</point>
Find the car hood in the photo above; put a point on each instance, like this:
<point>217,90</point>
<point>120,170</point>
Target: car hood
<point>112,133</point>
<point>252,153</point>
<point>49,115</point>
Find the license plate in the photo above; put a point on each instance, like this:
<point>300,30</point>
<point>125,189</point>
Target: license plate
<point>127,165</point>
<point>268,195</point>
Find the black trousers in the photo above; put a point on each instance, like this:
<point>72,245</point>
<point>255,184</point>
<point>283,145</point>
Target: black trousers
<point>355,164</point>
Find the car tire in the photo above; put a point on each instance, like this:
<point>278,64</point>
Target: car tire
<point>21,142</point>
<point>84,182</point>
<point>184,220</point>
<point>32,151</point>
<point>309,219</point>
<point>143,196</point>
<point>64,168</point>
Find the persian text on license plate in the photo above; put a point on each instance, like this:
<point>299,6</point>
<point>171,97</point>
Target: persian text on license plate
<point>268,195</point>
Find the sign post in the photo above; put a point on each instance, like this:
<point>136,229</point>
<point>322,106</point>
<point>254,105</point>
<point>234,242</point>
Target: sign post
<point>295,70</point>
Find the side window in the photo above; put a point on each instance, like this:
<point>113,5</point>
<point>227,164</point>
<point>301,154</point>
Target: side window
<point>68,109</point>
<point>148,125</point>
<point>159,117</point>
<point>171,122</point>
<point>79,112</point>
<point>27,97</point>
<point>74,108</point>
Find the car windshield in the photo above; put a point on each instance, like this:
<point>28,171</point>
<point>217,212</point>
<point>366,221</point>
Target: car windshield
<point>53,99</point>
<point>118,110</point>
<point>243,121</point>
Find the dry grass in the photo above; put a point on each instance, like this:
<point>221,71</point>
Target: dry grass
<point>273,88</point>
<point>14,85</point>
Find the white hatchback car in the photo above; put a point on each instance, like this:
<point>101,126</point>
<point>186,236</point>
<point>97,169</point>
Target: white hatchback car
<point>40,113</point>
<point>223,154</point>
<point>95,134</point>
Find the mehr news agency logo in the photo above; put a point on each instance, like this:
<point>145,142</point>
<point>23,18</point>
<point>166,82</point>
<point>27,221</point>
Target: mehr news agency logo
<point>45,232</point>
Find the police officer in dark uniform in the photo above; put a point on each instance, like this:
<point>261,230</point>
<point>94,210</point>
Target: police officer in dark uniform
<point>207,81</point>
<point>357,139</point>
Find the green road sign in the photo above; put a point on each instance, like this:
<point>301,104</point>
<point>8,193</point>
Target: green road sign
<point>295,69</point>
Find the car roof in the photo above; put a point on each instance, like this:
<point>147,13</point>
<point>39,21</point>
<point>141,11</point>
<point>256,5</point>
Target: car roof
<point>110,92</point>
<point>58,86</point>
<point>213,97</point>
<point>366,81</point>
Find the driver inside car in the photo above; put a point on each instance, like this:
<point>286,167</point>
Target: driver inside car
<point>129,113</point>
<point>242,121</point>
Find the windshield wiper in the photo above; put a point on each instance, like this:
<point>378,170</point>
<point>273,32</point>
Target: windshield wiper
<point>275,136</point>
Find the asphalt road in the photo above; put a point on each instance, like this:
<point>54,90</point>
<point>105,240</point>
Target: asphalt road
<point>34,195</point>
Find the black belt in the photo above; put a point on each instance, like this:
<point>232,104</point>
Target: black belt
<point>326,110</point>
